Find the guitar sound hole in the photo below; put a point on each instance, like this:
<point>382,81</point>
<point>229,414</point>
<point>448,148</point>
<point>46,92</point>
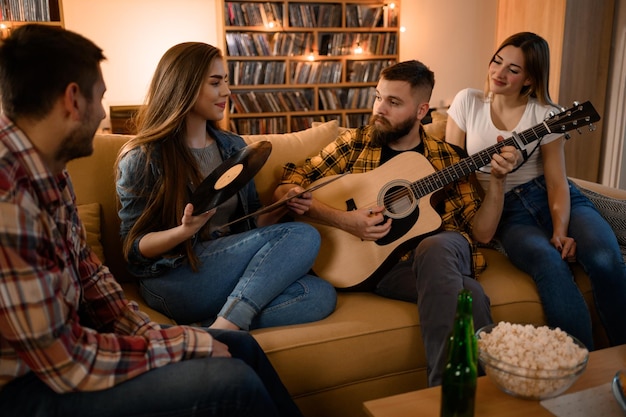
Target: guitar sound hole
<point>402,207</point>
<point>399,202</point>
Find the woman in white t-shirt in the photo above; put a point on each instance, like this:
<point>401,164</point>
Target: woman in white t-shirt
<point>546,222</point>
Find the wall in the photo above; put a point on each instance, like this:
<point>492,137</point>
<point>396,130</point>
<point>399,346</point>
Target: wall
<point>134,35</point>
<point>614,167</point>
<point>455,38</point>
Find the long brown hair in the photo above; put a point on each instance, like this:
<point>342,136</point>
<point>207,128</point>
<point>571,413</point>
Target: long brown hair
<point>536,64</point>
<point>173,91</point>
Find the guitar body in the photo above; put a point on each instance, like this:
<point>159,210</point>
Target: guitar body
<point>345,260</point>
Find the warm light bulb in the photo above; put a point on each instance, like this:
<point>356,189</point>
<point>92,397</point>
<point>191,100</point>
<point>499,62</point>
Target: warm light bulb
<point>392,5</point>
<point>311,57</point>
<point>358,49</point>
<point>270,25</point>
<point>402,29</point>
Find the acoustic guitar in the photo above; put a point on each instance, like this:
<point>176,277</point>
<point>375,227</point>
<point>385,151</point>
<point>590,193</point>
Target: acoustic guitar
<point>404,185</point>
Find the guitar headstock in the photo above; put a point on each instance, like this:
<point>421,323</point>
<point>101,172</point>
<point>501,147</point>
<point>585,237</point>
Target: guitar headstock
<point>577,116</point>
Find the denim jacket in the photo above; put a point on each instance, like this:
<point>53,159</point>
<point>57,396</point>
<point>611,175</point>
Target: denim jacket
<point>132,203</point>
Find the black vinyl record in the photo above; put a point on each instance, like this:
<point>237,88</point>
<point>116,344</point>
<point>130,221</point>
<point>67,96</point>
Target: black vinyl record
<point>230,176</point>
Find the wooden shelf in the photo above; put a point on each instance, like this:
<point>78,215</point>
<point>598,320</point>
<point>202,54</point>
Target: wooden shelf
<point>282,62</point>
<point>22,12</point>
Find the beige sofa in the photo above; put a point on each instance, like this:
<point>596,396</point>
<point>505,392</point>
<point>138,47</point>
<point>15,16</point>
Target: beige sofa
<point>370,347</point>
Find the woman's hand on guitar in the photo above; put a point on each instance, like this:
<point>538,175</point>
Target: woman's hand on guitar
<point>505,161</point>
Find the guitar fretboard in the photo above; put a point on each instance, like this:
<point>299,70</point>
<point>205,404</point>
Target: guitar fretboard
<point>565,121</point>
<point>466,166</point>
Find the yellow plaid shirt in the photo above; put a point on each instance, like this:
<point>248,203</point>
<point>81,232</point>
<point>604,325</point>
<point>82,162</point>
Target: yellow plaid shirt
<point>353,151</point>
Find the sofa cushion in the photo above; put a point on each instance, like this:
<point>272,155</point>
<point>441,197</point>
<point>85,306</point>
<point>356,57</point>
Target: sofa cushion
<point>293,147</point>
<point>437,127</point>
<point>90,216</point>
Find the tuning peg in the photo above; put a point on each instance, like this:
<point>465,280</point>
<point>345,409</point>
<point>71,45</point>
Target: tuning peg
<point>592,127</point>
<point>567,136</point>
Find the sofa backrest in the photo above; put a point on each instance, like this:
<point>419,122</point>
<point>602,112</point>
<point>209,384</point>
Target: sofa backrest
<point>293,147</point>
<point>94,182</point>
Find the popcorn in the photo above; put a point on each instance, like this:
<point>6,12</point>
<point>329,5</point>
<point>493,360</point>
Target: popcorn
<point>531,362</point>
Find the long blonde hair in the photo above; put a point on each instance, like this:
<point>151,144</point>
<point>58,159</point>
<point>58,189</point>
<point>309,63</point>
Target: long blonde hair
<point>172,94</point>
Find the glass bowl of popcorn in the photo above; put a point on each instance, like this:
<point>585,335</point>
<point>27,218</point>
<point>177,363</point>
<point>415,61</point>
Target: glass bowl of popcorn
<point>530,362</point>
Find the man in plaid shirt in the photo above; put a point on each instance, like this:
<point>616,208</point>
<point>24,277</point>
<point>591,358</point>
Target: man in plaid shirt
<point>70,343</point>
<point>443,263</point>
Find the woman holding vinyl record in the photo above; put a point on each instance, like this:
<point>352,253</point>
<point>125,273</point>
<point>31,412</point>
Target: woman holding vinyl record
<point>252,274</point>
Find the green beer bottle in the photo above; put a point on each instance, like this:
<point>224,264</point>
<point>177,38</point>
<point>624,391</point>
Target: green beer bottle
<point>458,387</point>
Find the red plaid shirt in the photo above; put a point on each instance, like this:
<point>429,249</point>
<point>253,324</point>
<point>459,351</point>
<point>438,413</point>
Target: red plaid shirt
<point>48,273</point>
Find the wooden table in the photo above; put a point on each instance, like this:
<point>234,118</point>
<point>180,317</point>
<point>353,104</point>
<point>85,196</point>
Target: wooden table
<point>490,400</point>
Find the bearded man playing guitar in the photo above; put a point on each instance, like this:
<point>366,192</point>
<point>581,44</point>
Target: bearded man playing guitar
<point>438,264</point>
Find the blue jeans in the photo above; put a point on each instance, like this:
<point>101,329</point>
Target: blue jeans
<point>253,279</point>
<point>245,385</point>
<point>442,266</point>
<point>525,231</point>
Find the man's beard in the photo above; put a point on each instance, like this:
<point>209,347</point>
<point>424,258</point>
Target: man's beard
<point>387,134</point>
<point>79,143</point>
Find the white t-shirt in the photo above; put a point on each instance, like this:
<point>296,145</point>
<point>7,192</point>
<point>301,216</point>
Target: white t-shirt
<point>472,113</point>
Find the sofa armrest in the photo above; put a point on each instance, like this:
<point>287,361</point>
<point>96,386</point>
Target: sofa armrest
<point>601,189</point>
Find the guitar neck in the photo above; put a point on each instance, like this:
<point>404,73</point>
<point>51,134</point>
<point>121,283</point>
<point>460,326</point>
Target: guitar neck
<point>466,166</point>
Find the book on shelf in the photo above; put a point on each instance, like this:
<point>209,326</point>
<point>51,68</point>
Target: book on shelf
<point>248,44</point>
<point>237,105</point>
<point>271,101</point>
<point>370,16</point>
<point>360,98</point>
<point>256,72</point>
<point>324,72</point>
<point>28,11</point>
<point>314,15</point>
<point>292,43</point>
<point>258,126</point>
<point>253,13</point>
<point>367,71</point>
<point>329,15</point>
<point>337,44</point>
<point>332,98</point>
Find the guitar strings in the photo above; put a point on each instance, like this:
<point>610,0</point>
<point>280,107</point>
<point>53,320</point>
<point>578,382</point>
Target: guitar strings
<point>439,179</point>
